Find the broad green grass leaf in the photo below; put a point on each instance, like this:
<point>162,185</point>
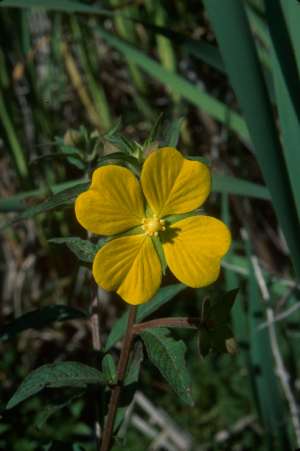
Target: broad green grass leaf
<point>168,355</point>
<point>233,185</point>
<point>200,49</point>
<point>237,45</point>
<point>284,50</point>
<point>268,395</point>
<point>69,6</point>
<point>37,319</point>
<point>163,296</point>
<point>290,128</point>
<point>178,84</point>
<point>292,13</point>
<point>83,249</point>
<point>15,147</point>
<point>56,375</point>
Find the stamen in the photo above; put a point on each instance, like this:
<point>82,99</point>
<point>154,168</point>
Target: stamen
<point>153,225</point>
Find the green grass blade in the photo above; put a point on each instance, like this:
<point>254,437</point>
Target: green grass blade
<point>232,185</point>
<point>266,384</point>
<point>179,85</point>
<point>94,85</point>
<point>292,13</point>
<point>290,128</point>
<point>55,5</point>
<point>237,47</point>
<point>204,51</point>
<point>284,50</point>
<point>15,147</point>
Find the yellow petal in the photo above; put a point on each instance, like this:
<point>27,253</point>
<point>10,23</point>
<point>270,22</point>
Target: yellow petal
<point>194,247</point>
<point>112,204</point>
<point>130,266</point>
<point>173,184</point>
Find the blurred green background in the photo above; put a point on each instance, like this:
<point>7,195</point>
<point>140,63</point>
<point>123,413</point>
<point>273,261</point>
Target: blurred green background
<point>225,77</point>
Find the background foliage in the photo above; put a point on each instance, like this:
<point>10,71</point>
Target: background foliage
<point>225,75</point>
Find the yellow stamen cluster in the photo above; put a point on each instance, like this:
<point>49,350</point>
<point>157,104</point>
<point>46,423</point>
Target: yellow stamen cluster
<point>153,225</point>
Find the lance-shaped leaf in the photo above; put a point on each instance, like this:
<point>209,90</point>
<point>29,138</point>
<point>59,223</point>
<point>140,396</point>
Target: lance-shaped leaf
<point>49,410</point>
<point>168,355</point>
<point>109,369</point>
<point>83,249</point>
<point>37,319</point>
<point>55,201</point>
<point>56,375</point>
<point>134,364</point>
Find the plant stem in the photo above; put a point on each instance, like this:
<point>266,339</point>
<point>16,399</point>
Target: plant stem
<point>96,340</point>
<point>116,391</point>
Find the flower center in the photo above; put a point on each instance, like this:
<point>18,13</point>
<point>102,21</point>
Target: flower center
<point>153,225</point>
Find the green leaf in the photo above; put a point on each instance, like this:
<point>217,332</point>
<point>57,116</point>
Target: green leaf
<point>264,379</point>
<point>204,342</point>
<point>172,133</point>
<point>121,159</point>
<point>129,387</point>
<point>58,445</point>
<point>154,132</point>
<point>167,354</point>
<point>83,249</point>
<point>19,202</point>
<point>65,154</point>
<point>200,49</point>
<point>221,183</point>
<point>56,5</point>
<point>163,296</point>
<point>56,375</point>
<point>134,364</point>
<point>109,369</point>
<point>233,185</point>
<point>178,84</point>
<point>58,200</point>
<point>284,50</point>
<point>290,128</point>
<point>220,306</point>
<point>40,318</point>
<point>219,338</point>
<point>124,144</point>
<point>50,409</point>
<point>229,20</point>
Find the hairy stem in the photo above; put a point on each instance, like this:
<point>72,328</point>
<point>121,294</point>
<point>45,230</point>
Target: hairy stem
<point>116,390</point>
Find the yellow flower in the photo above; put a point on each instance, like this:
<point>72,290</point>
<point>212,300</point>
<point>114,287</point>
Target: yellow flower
<point>116,202</point>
